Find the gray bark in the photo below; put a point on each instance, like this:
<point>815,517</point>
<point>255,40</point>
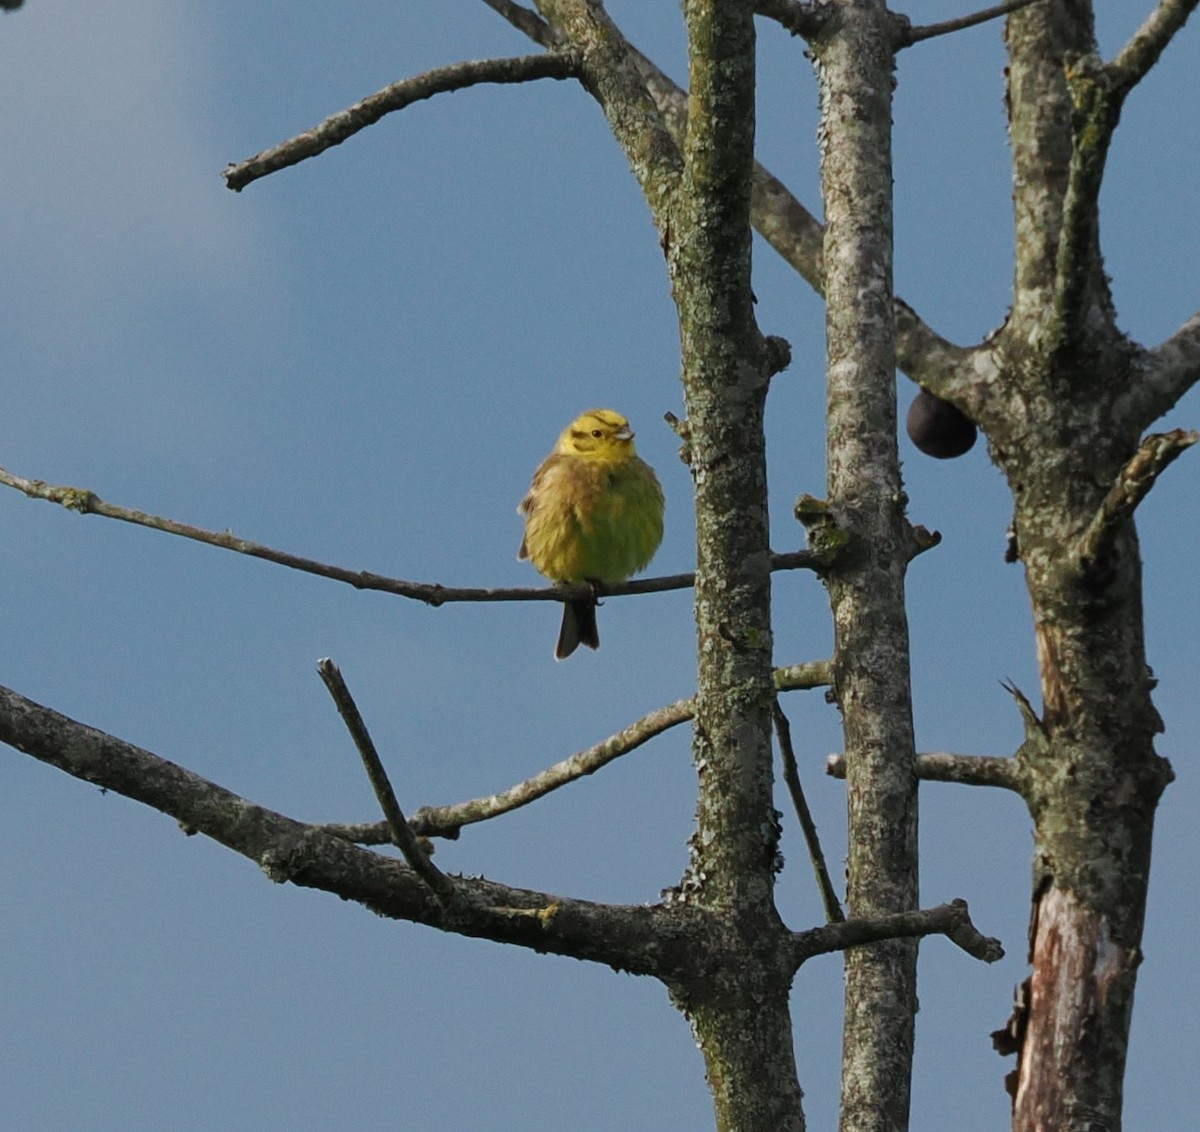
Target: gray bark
<point>854,56</point>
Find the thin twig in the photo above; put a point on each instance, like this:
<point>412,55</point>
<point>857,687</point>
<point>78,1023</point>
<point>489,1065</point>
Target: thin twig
<point>446,821</point>
<point>527,21</point>
<point>402,835</point>
<point>952,920</point>
<point>907,36</point>
<point>791,775</point>
<point>967,770</point>
<point>346,123</point>
<point>1154,455</point>
<point>432,593</point>
<point>1135,59</point>
<point>435,820</point>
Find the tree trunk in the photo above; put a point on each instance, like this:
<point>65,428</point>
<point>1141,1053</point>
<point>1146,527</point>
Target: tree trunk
<point>739,1007</point>
<point>866,585</point>
<point>1058,432</point>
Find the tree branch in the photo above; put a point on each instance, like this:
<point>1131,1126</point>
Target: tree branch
<point>346,123</point>
<point>527,21</point>
<point>1135,59</point>
<point>1097,95</point>
<point>1155,454</point>
<point>791,775</point>
<point>804,20</point>
<point>1096,112</point>
<point>443,821</point>
<point>608,71</point>
<point>908,35</point>
<point>446,821</point>
<point>810,674</point>
<point>432,593</point>
<point>796,235</point>
<point>799,238</point>
<point>399,831</point>
<point>952,920</point>
<point>967,770</point>
<point>962,374</point>
<point>1161,376</point>
<point>645,940</point>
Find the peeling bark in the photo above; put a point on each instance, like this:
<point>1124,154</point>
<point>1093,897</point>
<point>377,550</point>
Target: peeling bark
<point>1082,974</point>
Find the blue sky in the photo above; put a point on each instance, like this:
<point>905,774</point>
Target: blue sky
<point>362,360</point>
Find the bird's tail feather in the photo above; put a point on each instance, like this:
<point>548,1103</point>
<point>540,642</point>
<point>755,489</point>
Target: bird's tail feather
<point>578,628</point>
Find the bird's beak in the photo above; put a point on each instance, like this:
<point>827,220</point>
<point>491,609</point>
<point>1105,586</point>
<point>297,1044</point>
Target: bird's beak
<point>625,434</point>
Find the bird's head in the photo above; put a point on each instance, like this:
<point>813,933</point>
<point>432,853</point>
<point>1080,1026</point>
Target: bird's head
<point>598,434</point>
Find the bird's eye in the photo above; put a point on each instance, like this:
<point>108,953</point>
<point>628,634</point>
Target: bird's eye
<point>597,433</point>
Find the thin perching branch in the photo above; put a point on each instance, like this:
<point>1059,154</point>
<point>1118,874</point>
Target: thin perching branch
<point>399,830</point>
<point>346,123</point>
<point>791,776</point>
<point>432,593</point>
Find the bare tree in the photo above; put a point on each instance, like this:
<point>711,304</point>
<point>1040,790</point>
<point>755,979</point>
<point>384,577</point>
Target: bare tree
<point>1064,398</point>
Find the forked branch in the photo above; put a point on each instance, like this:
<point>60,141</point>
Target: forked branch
<point>1098,92</point>
<point>807,20</point>
<point>629,938</point>
<point>446,821</point>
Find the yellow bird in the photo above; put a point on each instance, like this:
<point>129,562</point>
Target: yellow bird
<point>594,513</point>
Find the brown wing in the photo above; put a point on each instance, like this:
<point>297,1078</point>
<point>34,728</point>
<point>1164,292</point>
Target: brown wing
<point>543,478</point>
<point>563,493</point>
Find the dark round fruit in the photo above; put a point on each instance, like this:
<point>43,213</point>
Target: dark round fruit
<point>939,429</point>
